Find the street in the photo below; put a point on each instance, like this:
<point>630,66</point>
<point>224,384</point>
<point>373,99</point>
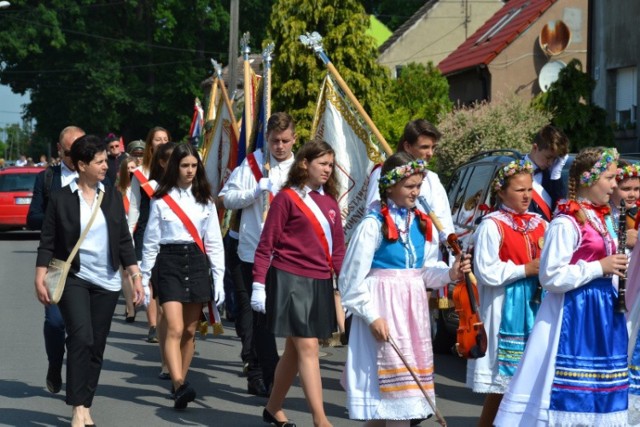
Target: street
<point>130,393</point>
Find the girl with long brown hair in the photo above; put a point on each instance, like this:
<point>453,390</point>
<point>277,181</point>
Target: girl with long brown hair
<point>300,249</point>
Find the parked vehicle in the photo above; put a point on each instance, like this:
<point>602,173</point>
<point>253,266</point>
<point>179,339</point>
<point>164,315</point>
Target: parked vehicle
<point>16,192</point>
<point>469,197</point>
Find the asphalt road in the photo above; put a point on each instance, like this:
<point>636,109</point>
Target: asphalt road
<point>129,392</point>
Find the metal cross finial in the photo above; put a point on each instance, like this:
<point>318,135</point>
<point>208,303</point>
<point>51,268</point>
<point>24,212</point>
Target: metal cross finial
<point>217,67</point>
<point>267,52</point>
<point>312,40</point>
<point>244,44</point>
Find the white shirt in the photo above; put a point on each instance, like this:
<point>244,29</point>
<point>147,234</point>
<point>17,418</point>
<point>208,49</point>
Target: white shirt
<point>95,267</point>
<point>354,289</point>
<point>134,200</point>
<point>165,227</point>
<point>66,175</point>
<point>431,189</point>
<point>239,192</point>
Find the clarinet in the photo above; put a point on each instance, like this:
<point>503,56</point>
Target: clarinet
<point>622,242</point>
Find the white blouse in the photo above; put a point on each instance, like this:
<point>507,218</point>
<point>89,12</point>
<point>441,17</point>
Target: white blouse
<point>165,227</point>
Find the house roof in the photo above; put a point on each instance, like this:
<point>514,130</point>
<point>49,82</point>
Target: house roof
<point>397,34</point>
<point>495,35</point>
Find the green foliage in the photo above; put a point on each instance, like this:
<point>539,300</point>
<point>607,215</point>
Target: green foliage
<point>297,73</point>
<point>17,141</point>
<point>569,101</point>
<point>119,67</point>
<point>508,123</point>
<point>420,92</point>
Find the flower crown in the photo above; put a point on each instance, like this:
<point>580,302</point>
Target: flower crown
<point>515,167</point>
<point>401,172</point>
<point>629,171</point>
<point>608,156</point>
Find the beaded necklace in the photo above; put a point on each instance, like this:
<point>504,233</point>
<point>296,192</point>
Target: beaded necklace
<point>404,234</point>
<point>597,225</point>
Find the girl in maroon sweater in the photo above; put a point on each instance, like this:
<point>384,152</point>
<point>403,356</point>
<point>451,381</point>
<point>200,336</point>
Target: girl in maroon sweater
<point>301,249</point>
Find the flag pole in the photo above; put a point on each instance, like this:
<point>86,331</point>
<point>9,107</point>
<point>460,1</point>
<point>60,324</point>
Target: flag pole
<point>266,98</point>
<point>248,95</point>
<point>225,95</point>
<point>314,41</point>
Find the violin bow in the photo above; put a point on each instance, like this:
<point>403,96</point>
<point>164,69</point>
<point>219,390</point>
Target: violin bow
<point>439,416</point>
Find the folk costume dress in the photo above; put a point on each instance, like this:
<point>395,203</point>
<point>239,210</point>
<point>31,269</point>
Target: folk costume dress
<point>381,278</point>
<point>574,369</point>
<point>504,242</point>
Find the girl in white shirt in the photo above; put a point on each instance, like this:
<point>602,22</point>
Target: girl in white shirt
<point>183,269</point>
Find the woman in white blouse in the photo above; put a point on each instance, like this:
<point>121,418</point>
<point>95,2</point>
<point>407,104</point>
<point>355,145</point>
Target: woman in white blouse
<point>93,286</point>
<point>184,270</point>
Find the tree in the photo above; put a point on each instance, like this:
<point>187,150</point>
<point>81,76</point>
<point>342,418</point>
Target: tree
<point>569,101</point>
<point>419,92</point>
<point>297,72</point>
<point>123,66</point>
<point>509,123</point>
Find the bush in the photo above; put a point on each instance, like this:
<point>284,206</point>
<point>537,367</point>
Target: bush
<point>501,124</point>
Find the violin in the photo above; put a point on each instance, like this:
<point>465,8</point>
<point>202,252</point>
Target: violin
<point>471,342</point>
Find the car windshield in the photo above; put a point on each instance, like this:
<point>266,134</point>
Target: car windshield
<point>17,182</point>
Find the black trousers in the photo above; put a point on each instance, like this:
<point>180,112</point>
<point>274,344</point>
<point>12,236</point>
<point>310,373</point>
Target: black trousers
<point>263,342</point>
<point>87,311</point>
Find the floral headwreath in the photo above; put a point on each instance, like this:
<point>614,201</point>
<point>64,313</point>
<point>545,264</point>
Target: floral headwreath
<point>515,167</point>
<point>608,156</point>
<point>401,172</point>
<point>629,171</point>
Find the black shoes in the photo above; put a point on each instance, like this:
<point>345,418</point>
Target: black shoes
<point>153,335</point>
<point>54,379</point>
<point>184,394</point>
<point>268,418</point>
<point>256,387</point>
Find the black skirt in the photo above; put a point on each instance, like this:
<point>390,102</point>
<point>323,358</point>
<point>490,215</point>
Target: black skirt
<point>299,306</point>
<point>183,274</point>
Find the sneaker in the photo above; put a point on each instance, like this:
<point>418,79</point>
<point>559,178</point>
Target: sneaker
<point>153,335</point>
<point>54,379</point>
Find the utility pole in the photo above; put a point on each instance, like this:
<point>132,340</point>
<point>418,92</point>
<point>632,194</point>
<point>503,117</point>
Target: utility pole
<point>233,46</point>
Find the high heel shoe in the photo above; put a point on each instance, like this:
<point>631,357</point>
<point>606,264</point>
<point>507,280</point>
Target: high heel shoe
<point>268,418</point>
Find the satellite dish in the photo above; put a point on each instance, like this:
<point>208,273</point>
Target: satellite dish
<point>549,74</point>
<point>554,37</point>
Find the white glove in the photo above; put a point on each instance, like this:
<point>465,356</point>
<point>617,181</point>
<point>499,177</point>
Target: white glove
<point>147,295</point>
<point>558,165</point>
<point>258,297</point>
<point>265,184</point>
<point>218,292</point>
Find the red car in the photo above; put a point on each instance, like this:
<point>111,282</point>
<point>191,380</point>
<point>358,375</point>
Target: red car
<point>16,191</point>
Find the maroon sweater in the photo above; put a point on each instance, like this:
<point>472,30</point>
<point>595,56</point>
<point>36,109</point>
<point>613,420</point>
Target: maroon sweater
<point>289,243</point>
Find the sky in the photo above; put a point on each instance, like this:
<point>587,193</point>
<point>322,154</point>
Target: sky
<point>10,106</point>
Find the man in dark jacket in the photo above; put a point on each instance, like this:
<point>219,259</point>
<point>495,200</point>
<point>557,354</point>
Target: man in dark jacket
<point>114,156</point>
<point>48,181</point>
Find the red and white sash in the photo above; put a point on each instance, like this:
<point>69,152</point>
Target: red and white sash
<point>318,221</point>
<point>542,199</point>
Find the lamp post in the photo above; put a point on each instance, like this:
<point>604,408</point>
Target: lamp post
<point>4,4</point>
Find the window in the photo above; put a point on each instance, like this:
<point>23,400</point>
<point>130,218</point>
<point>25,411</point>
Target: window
<point>626,95</point>
<point>502,22</point>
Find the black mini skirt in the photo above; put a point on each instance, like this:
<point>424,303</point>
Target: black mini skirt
<point>300,306</point>
<point>183,274</point>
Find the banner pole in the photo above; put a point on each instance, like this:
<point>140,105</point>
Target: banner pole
<point>314,41</point>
